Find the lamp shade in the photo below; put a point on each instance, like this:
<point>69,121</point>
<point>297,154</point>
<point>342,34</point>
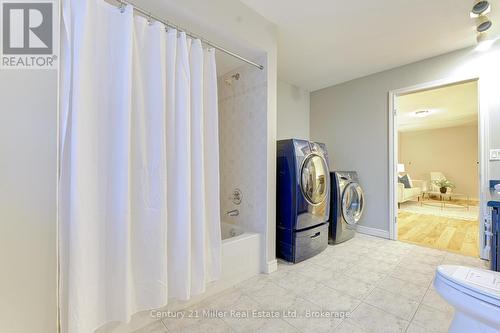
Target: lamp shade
<point>401,167</point>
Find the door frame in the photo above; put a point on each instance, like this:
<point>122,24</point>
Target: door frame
<point>483,144</point>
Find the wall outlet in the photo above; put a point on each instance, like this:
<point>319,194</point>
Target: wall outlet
<point>494,154</point>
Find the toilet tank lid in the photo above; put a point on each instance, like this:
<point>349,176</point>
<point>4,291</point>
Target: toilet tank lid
<point>482,281</point>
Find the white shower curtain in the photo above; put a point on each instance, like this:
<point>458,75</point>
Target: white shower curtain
<point>139,219</point>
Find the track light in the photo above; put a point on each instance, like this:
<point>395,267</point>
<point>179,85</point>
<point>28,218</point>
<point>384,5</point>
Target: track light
<point>479,11</point>
<point>480,8</point>
<point>483,24</point>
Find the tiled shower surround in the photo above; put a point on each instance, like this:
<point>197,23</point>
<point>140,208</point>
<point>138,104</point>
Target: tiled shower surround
<point>243,139</point>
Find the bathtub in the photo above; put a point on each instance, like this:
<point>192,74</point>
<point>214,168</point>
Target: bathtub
<point>240,254</point>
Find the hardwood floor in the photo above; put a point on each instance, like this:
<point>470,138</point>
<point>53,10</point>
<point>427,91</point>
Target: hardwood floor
<point>443,233</point>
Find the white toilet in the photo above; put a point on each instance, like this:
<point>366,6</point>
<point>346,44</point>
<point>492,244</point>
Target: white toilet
<point>475,295</point>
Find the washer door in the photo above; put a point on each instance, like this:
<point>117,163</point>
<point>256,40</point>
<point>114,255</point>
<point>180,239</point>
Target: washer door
<point>314,179</point>
<point>353,201</point>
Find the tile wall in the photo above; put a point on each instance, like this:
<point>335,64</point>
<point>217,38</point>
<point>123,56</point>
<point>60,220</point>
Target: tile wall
<point>242,137</point>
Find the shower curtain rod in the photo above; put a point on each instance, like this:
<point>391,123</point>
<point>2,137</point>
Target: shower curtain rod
<point>171,25</point>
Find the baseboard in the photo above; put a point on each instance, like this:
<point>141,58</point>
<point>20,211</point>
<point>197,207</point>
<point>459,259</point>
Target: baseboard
<point>373,231</point>
<point>272,266</point>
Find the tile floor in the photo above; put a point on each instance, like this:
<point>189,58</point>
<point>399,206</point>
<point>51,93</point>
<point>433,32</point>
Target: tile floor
<point>366,284</point>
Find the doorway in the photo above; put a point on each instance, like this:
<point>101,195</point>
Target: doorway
<point>435,149</point>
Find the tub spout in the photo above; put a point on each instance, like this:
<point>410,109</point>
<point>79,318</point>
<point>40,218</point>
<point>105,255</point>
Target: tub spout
<point>233,212</point>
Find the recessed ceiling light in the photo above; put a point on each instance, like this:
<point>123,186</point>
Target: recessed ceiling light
<point>480,8</point>
<point>421,113</point>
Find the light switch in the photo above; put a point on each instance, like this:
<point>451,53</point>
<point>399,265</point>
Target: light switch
<point>494,154</point>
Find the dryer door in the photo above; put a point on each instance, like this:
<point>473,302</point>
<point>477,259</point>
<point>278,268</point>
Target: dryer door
<point>352,203</point>
<point>314,179</point>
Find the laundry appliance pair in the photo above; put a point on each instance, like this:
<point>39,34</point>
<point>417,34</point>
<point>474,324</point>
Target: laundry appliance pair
<point>312,203</point>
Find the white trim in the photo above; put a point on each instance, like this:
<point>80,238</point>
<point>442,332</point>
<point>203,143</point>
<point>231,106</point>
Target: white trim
<point>393,164</point>
<point>269,253</point>
<point>271,266</point>
<point>483,134</point>
<point>484,169</point>
<point>372,231</point>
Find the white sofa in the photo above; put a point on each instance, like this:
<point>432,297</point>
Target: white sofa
<point>413,193</point>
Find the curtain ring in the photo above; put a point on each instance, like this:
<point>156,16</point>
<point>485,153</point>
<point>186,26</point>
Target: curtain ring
<point>150,19</point>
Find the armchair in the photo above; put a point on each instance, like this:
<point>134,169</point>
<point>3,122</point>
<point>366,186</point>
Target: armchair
<point>415,192</point>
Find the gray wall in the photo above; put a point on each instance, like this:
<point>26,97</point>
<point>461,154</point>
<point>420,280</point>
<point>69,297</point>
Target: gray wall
<point>352,119</point>
<point>293,112</point>
<point>28,149</point>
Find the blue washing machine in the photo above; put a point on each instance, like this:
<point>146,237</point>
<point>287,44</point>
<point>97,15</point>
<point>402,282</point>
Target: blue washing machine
<point>302,199</point>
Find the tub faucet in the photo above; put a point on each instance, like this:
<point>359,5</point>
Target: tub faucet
<point>233,212</point>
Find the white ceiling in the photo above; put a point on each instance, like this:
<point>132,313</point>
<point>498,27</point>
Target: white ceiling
<point>325,42</point>
<point>449,106</point>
